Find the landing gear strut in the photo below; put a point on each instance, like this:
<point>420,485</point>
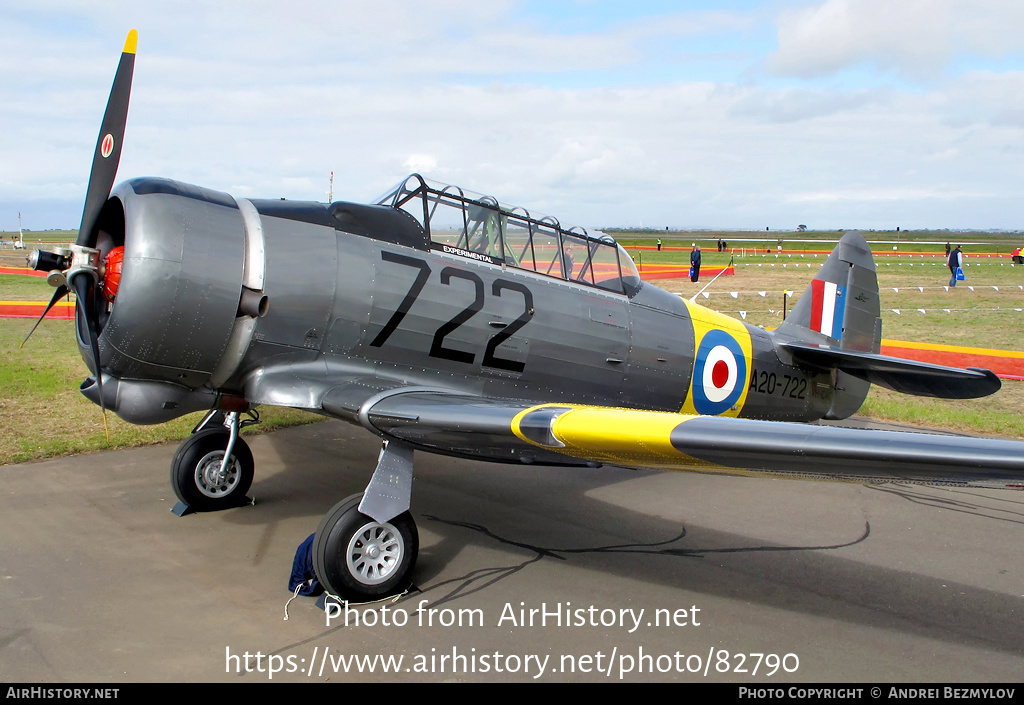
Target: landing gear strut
<point>366,546</point>
<point>201,478</point>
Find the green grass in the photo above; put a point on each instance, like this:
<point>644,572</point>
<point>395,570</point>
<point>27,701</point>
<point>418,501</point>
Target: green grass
<point>997,415</point>
<point>18,287</point>
<point>42,236</point>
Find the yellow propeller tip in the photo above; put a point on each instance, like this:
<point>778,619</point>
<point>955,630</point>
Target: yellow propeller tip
<point>131,42</point>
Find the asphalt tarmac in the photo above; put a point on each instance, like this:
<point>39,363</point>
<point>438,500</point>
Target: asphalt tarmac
<point>643,576</point>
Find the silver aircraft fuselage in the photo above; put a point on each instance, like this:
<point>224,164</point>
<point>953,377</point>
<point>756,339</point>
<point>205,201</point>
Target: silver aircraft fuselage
<point>357,290</point>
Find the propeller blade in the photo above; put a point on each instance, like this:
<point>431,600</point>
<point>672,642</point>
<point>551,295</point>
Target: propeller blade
<point>80,283</point>
<point>108,144</point>
<point>59,294</point>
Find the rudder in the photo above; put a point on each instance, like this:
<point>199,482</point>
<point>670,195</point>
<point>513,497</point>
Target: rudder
<point>841,309</point>
<point>841,304</point>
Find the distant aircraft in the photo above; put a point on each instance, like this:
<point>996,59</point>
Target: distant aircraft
<point>447,322</point>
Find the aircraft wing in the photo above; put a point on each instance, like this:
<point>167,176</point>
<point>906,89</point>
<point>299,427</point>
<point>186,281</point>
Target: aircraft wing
<point>522,431</point>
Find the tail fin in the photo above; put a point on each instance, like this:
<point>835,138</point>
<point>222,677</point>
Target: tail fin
<point>840,308</point>
<point>837,325</point>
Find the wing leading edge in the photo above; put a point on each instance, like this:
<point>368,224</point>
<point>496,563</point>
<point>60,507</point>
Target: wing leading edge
<point>570,434</point>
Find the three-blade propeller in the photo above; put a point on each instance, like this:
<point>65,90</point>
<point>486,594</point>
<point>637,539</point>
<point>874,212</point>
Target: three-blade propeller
<point>83,280</point>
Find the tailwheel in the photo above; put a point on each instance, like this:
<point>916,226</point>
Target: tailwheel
<point>200,477</point>
<point>358,558</point>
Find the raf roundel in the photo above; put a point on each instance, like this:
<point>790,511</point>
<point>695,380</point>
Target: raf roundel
<point>719,374</point>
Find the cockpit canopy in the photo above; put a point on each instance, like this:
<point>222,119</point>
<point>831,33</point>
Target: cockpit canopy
<point>481,228</point>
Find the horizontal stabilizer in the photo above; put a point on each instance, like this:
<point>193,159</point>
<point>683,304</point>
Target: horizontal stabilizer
<point>907,376</point>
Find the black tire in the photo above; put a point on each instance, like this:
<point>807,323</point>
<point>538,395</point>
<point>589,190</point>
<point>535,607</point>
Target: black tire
<point>196,477</point>
<point>357,558</point>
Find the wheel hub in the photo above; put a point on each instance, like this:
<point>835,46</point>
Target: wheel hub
<point>212,479</point>
<point>374,553</point>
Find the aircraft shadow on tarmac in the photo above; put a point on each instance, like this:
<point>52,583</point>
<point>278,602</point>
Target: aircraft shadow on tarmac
<point>533,514</point>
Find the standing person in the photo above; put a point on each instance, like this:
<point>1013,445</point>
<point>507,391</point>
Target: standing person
<point>947,250</point>
<point>695,262</point>
<point>567,261</point>
<point>659,244</point>
<point>956,261</point>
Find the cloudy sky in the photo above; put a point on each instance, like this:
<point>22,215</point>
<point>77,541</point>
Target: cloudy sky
<point>774,113</point>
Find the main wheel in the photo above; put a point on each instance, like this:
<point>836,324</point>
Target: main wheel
<point>200,481</point>
<point>358,558</point>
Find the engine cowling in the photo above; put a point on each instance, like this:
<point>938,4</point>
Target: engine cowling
<point>185,305</point>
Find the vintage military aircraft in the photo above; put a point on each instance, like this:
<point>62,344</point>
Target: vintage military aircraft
<point>447,322</point>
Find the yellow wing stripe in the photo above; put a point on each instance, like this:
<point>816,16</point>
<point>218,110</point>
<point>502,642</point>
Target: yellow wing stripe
<point>625,436</point>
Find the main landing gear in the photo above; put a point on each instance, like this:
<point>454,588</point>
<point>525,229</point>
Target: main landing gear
<point>357,557</point>
<point>366,545</point>
<point>201,478</point>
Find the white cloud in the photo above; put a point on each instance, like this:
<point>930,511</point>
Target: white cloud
<point>267,102</point>
<point>984,99</point>
<point>795,104</point>
<point>421,163</point>
<point>914,38</point>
